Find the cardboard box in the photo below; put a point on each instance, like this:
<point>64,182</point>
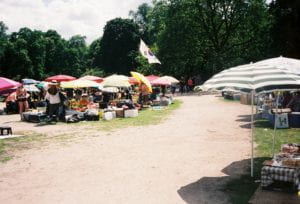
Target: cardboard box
<point>131,113</point>
<point>119,112</point>
<point>109,115</point>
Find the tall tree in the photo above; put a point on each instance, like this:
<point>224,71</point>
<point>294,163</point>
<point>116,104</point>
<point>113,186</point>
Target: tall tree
<point>3,42</point>
<point>206,36</point>
<point>286,29</point>
<point>118,47</point>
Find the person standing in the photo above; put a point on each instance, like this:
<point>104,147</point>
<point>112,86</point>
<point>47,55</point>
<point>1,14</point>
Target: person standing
<point>53,97</point>
<point>190,84</point>
<point>22,96</point>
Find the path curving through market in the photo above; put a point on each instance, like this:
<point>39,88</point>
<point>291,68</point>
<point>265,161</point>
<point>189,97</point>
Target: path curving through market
<point>186,159</point>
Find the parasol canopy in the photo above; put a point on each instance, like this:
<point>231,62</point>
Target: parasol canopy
<point>110,89</point>
<point>152,77</point>
<point>92,78</point>
<point>80,83</point>
<point>254,77</point>
<point>165,80</point>
<point>290,64</point>
<point>42,84</point>
<point>116,81</point>
<point>7,83</point>
<point>29,81</point>
<point>142,79</point>
<point>31,88</point>
<point>60,78</point>
<point>133,81</point>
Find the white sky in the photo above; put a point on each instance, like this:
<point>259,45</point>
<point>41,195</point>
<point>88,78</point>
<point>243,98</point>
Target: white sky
<point>67,17</point>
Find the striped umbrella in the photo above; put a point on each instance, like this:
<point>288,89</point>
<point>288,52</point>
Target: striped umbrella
<point>253,78</point>
<point>283,62</point>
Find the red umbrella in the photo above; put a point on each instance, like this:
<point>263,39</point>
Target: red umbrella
<point>133,81</point>
<point>7,83</point>
<point>152,77</point>
<point>92,78</point>
<point>60,78</point>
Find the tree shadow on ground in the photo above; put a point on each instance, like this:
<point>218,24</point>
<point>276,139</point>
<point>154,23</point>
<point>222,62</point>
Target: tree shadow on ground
<point>258,122</point>
<point>237,187</point>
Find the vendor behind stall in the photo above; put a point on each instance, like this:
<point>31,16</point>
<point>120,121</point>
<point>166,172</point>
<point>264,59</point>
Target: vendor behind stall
<point>294,104</point>
<point>11,103</point>
<point>84,102</point>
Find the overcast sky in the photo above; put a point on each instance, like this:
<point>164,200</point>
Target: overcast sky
<point>68,17</point>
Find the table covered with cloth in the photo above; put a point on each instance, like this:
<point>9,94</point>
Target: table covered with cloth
<point>269,174</point>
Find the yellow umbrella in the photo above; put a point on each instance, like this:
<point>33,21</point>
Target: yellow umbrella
<point>80,83</point>
<point>143,79</point>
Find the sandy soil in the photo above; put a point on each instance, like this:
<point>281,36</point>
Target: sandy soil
<point>186,159</point>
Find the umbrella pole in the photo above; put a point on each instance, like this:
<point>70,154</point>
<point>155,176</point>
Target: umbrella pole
<point>252,134</point>
<point>275,127</point>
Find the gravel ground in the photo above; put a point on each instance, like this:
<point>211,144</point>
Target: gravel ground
<point>186,159</point>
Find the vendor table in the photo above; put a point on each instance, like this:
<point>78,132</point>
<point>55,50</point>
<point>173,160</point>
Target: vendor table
<point>270,173</point>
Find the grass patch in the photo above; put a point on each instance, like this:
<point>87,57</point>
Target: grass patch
<point>241,189</point>
<point>146,117</point>
<point>9,146</point>
<point>264,137</point>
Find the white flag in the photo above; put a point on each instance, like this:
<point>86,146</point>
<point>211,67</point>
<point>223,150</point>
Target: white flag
<point>146,52</point>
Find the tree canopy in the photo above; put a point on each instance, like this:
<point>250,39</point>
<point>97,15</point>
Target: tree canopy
<point>190,37</point>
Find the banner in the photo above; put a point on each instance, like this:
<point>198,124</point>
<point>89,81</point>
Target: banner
<point>146,52</point>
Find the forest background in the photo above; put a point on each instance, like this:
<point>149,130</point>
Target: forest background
<point>190,38</point>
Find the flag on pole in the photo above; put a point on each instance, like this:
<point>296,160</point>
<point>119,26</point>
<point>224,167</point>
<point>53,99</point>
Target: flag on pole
<point>146,52</point>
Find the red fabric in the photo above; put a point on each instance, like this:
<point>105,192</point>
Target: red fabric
<point>60,78</point>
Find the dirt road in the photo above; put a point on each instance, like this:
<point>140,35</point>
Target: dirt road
<point>185,159</point>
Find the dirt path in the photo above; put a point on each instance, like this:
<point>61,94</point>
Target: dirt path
<point>186,159</point>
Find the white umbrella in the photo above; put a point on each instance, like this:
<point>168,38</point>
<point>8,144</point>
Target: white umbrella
<point>165,80</point>
<point>80,83</point>
<point>116,81</point>
<point>254,78</point>
<point>31,88</point>
<point>110,89</point>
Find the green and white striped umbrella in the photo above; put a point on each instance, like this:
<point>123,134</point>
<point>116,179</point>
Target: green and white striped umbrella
<point>257,77</point>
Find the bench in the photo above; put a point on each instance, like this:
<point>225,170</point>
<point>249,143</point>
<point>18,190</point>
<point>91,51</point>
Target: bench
<point>8,130</point>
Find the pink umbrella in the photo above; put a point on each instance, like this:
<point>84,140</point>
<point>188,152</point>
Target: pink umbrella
<point>7,83</point>
<point>60,78</point>
<point>133,81</point>
<point>92,78</point>
<point>152,77</point>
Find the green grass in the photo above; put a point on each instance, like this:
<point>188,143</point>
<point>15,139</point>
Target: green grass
<point>33,139</point>
<point>264,138</point>
<point>145,117</point>
<point>241,189</point>
<point>9,145</point>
